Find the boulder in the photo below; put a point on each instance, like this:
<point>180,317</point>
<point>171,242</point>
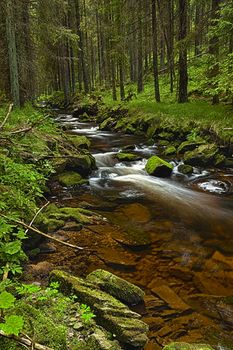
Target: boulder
<point>127,157</point>
<point>185,169</point>
<point>169,151</point>
<point>169,136</point>
<point>79,141</point>
<point>108,124</point>
<point>188,146</point>
<point>117,287</point>
<point>203,155</point>
<point>70,179</point>
<point>110,313</point>
<point>186,346</point>
<point>158,167</point>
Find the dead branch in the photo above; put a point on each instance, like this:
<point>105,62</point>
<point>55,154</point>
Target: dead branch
<point>7,116</point>
<point>41,233</point>
<point>37,213</point>
<point>27,342</point>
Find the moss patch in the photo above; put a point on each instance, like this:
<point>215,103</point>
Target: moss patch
<point>127,157</point>
<point>71,178</point>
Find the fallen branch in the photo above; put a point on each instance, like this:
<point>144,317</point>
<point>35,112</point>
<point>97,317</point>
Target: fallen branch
<point>27,342</point>
<point>228,129</point>
<point>37,213</point>
<point>42,233</point>
<point>7,116</point>
<point>29,128</point>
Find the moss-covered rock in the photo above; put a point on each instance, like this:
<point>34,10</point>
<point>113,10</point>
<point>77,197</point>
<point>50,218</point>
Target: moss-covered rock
<point>71,178</point>
<point>186,346</point>
<point>111,314</point>
<point>188,146</point>
<point>79,141</point>
<point>169,151</point>
<point>203,155</point>
<point>127,157</point>
<point>169,136</point>
<point>108,124</point>
<point>185,169</point>
<point>117,287</point>
<point>158,167</point>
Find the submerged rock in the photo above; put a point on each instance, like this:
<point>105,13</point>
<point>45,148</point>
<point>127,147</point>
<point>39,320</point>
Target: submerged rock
<point>186,346</point>
<point>158,167</point>
<point>117,287</point>
<point>127,157</point>
<point>111,314</point>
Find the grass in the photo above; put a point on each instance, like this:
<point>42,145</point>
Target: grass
<point>197,110</point>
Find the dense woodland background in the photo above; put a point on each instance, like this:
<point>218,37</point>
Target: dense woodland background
<point>117,45</point>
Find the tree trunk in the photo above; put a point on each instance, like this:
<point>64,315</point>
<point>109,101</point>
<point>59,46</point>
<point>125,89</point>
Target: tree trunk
<point>183,69</point>
<point>12,53</point>
<point>140,50</point>
<point>155,50</point>
<point>214,48</point>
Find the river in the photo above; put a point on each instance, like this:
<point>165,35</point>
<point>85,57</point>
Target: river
<point>172,237</point>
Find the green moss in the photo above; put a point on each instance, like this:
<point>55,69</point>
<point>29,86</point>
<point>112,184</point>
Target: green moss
<point>188,146</point>
<point>203,155</point>
<point>71,178</point>
<point>116,286</point>
<point>169,151</point>
<point>158,167</point>
<point>127,157</point>
<point>79,141</point>
<point>185,169</point>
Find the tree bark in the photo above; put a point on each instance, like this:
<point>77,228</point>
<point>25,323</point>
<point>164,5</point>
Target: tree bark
<point>155,50</point>
<point>183,69</point>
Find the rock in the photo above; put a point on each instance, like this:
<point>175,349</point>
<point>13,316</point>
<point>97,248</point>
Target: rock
<point>203,155</point>
<point>117,287</point>
<point>169,151</point>
<point>170,297</point>
<point>158,167</point>
<point>127,157</point>
<point>79,141</point>
<point>163,143</point>
<point>169,136</point>
<point>108,124</point>
<point>110,313</point>
<point>188,146</point>
<point>185,169</point>
<point>99,341</point>
<point>71,179</point>
<point>186,346</point>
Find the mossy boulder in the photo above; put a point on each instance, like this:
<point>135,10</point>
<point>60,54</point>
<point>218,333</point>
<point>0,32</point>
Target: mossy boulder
<point>186,346</point>
<point>127,157</point>
<point>158,167</point>
<point>79,141</point>
<point>71,179</point>
<point>169,151</point>
<point>169,136</point>
<point>185,169</point>
<point>117,287</point>
<point>110,313</point>
<point>203,155</point>
<point>108,124</point>
<point>54,218</point>
<point>188,146</point>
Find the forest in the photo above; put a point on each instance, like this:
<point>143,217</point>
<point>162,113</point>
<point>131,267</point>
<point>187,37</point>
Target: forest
<point>116,174</point>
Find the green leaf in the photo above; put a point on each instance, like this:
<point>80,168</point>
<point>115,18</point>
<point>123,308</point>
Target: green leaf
<point>6,300</point>
<point>12,248</point>
<point>13,325</point>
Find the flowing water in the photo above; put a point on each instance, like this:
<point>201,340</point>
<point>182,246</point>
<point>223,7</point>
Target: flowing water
<point>173,237</point>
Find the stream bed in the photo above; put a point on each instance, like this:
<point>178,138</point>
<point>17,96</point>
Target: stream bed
<point>172,237</point>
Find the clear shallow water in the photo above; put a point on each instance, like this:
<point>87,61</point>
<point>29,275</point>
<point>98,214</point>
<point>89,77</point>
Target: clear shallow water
<point>171,233</point>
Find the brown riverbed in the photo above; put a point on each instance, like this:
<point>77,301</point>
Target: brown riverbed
<point>171,237</point>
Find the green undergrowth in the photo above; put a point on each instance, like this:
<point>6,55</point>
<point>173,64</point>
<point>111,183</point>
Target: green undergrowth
<point>198,111</point>
<point>49,317</point>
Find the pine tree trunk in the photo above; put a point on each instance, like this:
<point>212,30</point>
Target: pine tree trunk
<point>183,69</point>
<point>155,50</point>
<point>12,53</point>
<point>214,48</point>
<point>140,50</point>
